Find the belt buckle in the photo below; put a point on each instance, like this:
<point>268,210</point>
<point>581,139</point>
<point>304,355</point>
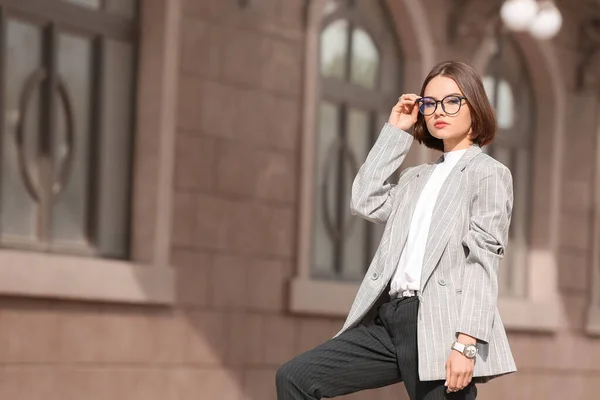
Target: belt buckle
<point>408,293</point>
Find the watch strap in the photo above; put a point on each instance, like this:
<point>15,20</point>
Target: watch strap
<point>459,347</point>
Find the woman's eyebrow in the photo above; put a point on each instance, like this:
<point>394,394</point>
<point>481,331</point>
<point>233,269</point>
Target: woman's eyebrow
<point>435,98</point>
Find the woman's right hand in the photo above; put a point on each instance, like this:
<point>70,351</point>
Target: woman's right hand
<point>405,112</point>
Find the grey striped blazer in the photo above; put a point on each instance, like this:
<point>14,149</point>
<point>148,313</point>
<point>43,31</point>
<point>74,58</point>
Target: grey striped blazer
<point>467,239</point>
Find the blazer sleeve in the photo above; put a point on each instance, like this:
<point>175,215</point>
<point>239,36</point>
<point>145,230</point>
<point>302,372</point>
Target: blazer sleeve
<point>371,191</point>
<point>486,239</point>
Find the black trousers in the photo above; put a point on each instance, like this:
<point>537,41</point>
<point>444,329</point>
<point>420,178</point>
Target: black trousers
<point>366,357</point>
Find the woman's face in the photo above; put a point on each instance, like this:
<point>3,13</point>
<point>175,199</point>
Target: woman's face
<point>453,128</point>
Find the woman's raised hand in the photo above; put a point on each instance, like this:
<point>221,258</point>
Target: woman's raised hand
<point>405,112</point>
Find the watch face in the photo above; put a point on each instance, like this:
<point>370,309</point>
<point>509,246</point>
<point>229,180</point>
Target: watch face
<point>470,351</point>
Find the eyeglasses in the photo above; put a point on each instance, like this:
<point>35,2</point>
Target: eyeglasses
<point>450,104</point>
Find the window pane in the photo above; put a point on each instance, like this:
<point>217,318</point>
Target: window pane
<point>356,239</point>
<point>323,242</point>
<point>116,148</point>
<point>334,47</point>
<point>95,4</point>
<point>488,85</point>
<point>506,106</point>
<point>365,60</point>
<point>24,52</point>
<point>71,206</point>
<point>505,109</point>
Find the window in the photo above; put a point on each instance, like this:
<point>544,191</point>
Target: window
<point>360,74</point>
<point>508,87</point>
<point>67,87</point>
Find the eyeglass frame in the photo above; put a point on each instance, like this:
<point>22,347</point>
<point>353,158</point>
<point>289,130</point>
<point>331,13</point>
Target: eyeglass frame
<point>419,101</point>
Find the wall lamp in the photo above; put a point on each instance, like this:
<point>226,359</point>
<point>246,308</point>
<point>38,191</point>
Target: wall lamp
<point>541,18</point>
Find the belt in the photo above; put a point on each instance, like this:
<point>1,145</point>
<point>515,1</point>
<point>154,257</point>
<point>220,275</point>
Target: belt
<point>407,293</point>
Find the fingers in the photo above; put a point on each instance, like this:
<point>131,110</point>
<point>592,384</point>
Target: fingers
<point>407,99</point>
<point>404,113</point>
<point>410,97</point>
<point>453,382</point>
<point>406,105</point>
<point>456,379</point>
<point>467,379</point>
<point>463,381</point>
<point>415,113</point>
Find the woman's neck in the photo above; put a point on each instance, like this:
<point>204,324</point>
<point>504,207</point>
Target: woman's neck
<point>455,144</point>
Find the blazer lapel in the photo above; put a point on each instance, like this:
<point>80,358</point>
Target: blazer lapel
<point>446,213</point>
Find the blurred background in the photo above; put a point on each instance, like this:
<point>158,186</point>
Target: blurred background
<point>175,179</point>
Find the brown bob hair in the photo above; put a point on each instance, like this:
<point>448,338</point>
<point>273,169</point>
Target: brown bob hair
<point>483,118</point>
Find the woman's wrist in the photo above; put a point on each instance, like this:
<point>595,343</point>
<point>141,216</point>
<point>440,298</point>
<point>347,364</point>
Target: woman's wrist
<point>466,339</point>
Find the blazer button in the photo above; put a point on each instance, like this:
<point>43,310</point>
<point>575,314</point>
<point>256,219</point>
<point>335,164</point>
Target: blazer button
<point>442,282</point>
<point>374,276</point>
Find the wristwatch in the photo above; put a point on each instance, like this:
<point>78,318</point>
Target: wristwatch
<point>468,350</point>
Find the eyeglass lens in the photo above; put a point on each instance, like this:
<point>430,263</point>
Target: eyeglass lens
<point>450,105</point>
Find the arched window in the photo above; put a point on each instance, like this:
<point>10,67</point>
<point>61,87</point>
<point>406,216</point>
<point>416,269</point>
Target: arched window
<point>359,82</point>
<point>507,84</point>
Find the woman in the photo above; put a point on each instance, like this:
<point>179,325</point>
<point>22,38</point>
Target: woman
<point>435,272</point>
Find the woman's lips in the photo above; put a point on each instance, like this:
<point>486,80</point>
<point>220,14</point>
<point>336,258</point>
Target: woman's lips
<point>441,124</point>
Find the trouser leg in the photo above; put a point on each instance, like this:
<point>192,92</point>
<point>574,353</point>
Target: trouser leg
<point>360,358</point>
<point>403,331</point>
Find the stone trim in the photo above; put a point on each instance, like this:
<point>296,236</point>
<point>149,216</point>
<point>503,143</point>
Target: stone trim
<point>78,278</point>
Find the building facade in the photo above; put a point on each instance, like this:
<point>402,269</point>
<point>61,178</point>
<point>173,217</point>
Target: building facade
<point>174,182</point>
